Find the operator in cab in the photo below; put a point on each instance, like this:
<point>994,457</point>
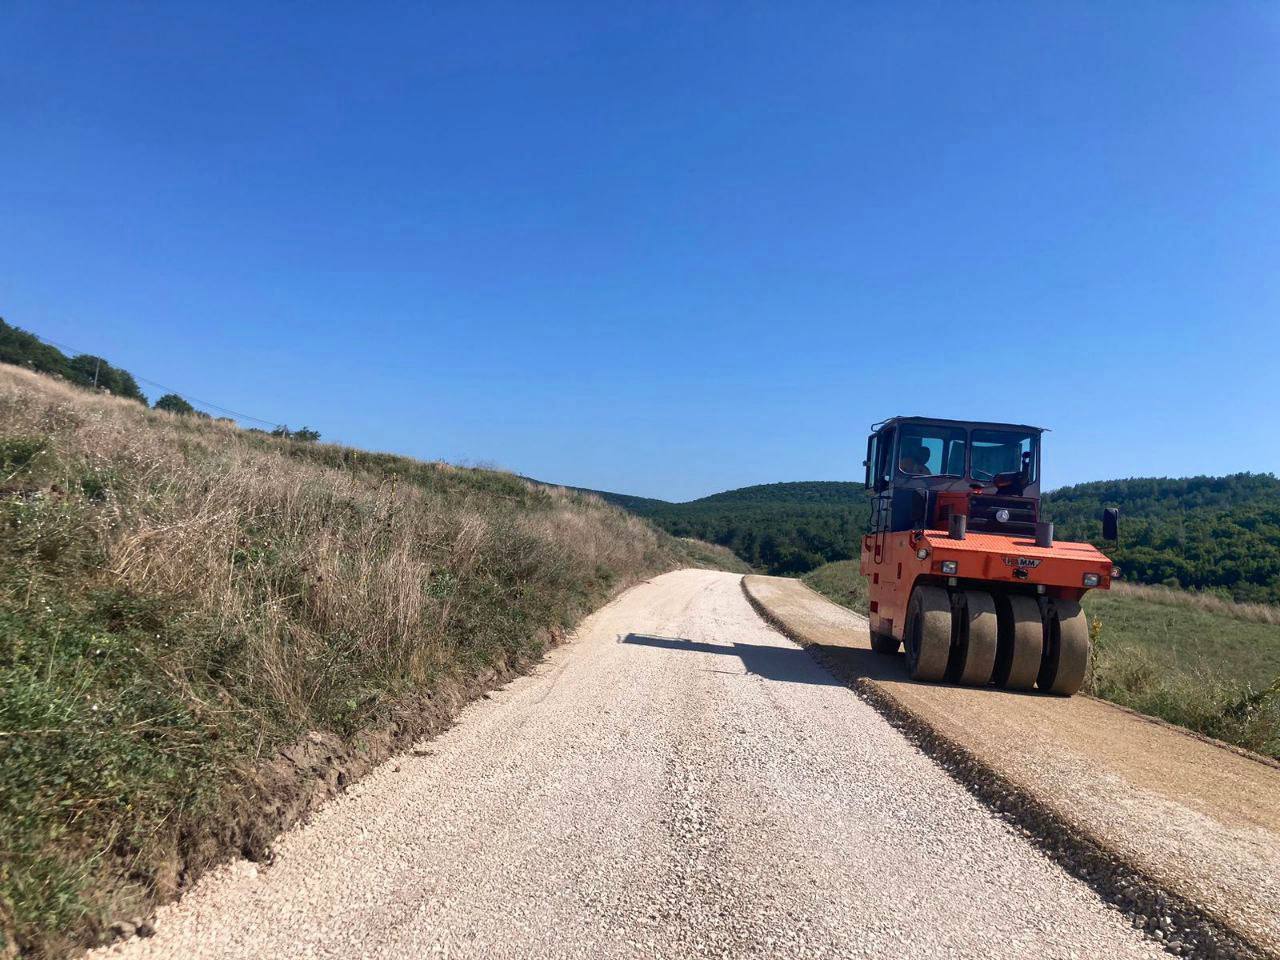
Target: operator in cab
<point>915,460</point>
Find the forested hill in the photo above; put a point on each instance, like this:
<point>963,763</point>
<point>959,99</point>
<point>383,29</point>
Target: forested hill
<point>828,492</point>
<point>1203,533</point>
<point>641,505</point>
<point>784,528</point>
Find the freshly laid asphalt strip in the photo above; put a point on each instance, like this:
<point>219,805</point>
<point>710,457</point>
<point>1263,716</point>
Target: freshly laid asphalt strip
<point>1180,830</point>
<point>679,781</point>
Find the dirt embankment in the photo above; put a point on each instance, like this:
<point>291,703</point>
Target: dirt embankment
<point>1181,831</point>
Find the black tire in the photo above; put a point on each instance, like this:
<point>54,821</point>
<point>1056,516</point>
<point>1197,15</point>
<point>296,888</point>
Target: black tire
<point>973,638</point>
<point>1066,656</point>
<point>1021,643</point>
<point>884,643</point>
<point>928,633</point>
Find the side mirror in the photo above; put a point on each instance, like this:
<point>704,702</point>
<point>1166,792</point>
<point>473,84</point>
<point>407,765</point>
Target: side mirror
<point>919,509</point>
<point>1111,523</point>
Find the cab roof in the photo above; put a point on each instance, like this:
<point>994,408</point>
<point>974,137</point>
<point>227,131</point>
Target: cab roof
<point>980,424</point>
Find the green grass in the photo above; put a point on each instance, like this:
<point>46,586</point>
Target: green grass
<point>1208,671</point>
<point>712,556</point>
<point>842,582</point>
<point>101,749</point>
<point>1162,653</point>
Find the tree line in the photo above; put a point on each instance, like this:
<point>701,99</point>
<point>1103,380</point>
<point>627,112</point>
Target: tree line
<point>1217,534</point>
<point>24,349</point>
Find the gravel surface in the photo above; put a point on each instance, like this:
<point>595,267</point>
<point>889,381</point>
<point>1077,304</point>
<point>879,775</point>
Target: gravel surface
<point>680,781</point>
<point>1199,817</point>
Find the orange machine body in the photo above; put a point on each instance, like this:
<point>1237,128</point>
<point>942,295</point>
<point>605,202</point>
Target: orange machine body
<point>895,561</point>
<point>956,505</point>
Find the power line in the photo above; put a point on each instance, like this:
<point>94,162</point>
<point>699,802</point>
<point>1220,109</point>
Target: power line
<point>185,396</point>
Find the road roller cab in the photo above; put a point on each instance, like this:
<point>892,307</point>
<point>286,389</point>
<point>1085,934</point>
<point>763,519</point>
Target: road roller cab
<point>961,568</point>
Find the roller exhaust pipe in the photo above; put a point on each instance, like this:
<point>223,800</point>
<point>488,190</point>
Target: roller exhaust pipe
<point>1044,533</point>
<point>957,525</point>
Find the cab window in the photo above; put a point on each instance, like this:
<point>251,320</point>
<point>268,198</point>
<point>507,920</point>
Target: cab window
<point>925,450</point>
<point>884,459</point>
<point>1003,451</point>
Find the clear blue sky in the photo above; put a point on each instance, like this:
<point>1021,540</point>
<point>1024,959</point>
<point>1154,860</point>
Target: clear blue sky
<point>664,249</point>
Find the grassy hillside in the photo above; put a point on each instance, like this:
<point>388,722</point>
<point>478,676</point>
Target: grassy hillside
<point>180,600</point>
<point>711,556</point>
<point>1207,664</point>
<point>781,528</point>
<point>1213,667</point>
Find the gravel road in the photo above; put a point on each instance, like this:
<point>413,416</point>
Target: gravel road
<point>680,781</point>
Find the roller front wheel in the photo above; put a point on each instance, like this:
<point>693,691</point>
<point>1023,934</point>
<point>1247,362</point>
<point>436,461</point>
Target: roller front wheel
<point>928,633</point>
<point>1021,642</point>
<point>973,639</point>
<point>1066,656</point>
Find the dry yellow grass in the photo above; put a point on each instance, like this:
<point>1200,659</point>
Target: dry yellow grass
<point>293,547</point>
<point>1209,602</point>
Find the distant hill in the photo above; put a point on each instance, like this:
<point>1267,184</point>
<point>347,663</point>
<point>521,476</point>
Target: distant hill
<point>1220,534</point>
<point>782,528</point>
<point>838,492</point>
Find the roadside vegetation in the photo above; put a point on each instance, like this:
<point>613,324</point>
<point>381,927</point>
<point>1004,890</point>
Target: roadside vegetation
<point>1193,659</point>
<point>1203,663</point>
<point>181,599</point>
<point>841,582</point>
<point>712,556</point>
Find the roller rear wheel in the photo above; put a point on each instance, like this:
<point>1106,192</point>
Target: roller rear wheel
<point>883,643</point>
<point>1066,655</point>
<point>1021,642</point>
<point>928,633</point>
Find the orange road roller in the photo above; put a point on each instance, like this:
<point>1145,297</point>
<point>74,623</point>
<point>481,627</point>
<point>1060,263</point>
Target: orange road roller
<point>961,569</point>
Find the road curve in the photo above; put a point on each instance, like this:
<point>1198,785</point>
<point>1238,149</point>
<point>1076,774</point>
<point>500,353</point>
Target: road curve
<point>678,781</point>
